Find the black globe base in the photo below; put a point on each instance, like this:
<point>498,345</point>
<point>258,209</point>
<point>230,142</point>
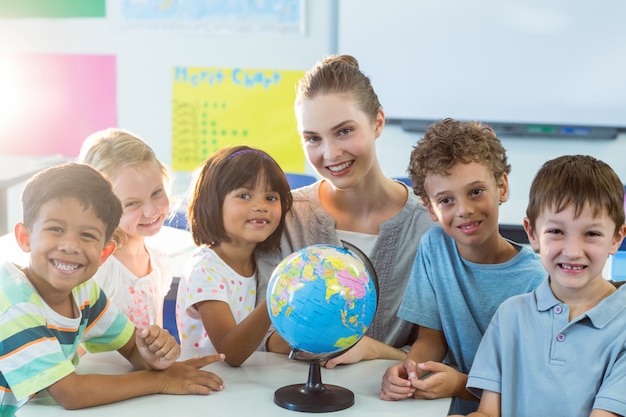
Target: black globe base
<point>314,397</point>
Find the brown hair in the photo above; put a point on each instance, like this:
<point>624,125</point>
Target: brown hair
<point>449,142</point>
<point>72,180</point>
<point>339,74</point>
<point>579,180</point>
<point>226,170</point>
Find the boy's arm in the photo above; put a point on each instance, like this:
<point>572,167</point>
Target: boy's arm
<point>602,413</point>
<point>490,406</point>
<point>397,381</point>
<point>430,345</point>
<point>153,352</point>
<point>428,376</point>
<point>80,391</point>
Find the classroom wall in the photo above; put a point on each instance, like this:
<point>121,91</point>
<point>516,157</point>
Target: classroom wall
<point>526,155</point>
<point>145,60</point>
<point>529,62</point>
<point>454,58</point>
<point>144,91</point>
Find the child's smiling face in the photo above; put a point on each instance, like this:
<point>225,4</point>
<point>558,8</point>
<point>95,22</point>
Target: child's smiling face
<point>144,199</point>
<point>573,249</point>
<point>66,245</point>
<point>466,202</point>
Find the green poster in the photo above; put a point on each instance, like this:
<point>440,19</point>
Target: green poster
<point>52,8</point>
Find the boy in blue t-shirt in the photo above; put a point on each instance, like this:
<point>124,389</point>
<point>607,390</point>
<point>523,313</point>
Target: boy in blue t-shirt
<point>464,268</point>
<point>561,350</point>
<point>50,306</point>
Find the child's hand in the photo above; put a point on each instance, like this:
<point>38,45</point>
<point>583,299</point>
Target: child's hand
<point>157,347</point>
<point>396,384</point>
<point>186,377</point>
<point>436,380</point>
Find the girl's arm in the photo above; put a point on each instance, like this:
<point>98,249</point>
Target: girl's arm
<point>236,341</point>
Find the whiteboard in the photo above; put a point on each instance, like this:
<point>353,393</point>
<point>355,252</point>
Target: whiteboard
<point>519,61</point>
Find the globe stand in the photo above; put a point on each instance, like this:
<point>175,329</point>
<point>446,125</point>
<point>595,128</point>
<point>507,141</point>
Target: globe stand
<point>314,397</point>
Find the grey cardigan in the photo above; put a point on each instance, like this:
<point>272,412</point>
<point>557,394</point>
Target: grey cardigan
<point>308,223</point>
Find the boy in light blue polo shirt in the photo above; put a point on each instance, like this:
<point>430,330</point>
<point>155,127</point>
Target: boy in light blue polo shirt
<point>561,350</point>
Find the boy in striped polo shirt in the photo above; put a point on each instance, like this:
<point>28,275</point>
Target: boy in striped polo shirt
<point>50,306</point>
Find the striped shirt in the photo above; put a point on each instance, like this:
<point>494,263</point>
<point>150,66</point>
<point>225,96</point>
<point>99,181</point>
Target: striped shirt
<point>38,346</point>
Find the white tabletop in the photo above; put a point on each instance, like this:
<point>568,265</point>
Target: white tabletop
<point>249,391</point>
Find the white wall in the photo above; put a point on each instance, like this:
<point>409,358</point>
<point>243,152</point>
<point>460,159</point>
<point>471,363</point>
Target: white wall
<point>518,61</point>
<point>525,156</point>
<point>145,60</point>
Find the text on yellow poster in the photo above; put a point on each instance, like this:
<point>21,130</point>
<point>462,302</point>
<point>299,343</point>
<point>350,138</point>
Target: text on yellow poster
<point>217,107</point>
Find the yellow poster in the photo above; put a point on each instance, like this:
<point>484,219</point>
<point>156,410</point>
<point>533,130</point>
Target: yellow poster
<point>217,107</point>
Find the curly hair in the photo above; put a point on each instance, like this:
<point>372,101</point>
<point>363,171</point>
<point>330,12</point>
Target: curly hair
<point>449,142</point>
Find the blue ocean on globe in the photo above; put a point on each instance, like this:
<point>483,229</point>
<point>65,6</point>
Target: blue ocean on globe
<point>321,299</point>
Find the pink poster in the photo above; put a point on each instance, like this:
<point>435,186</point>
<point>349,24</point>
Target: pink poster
<point>49,103</point>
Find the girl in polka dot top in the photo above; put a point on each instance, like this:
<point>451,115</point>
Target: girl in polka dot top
<point>237,207</point>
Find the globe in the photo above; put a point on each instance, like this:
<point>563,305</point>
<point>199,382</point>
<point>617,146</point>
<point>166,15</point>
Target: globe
<point>321,300</point>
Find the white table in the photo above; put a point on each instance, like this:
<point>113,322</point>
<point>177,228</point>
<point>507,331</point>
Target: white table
<point>15,169</point>
<point>249,391</point>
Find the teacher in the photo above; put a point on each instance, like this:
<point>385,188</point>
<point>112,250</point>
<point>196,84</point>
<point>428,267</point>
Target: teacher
<point>339,119</point>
